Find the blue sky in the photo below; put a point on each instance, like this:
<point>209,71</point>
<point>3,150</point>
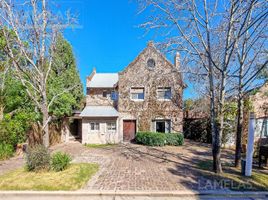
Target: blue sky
<point>108,38</point>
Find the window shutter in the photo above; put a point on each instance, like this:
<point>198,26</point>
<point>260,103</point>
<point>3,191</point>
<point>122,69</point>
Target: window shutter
<point>153,126</point>
<point>167,126</point>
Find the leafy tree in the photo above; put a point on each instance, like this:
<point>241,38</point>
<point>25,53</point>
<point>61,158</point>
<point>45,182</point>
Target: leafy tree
<point>19,112</point>
<point>64,74</point>
<point>36,45</point>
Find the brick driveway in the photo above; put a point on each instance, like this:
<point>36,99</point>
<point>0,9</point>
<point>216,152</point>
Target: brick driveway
<point>137,167</point>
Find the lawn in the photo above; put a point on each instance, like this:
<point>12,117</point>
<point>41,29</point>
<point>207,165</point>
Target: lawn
<point>73,178</point>
<point>100,145</point>
<point>235,181</point>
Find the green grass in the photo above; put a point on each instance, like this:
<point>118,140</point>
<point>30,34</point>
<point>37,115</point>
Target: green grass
<point>73,178</point>
<point>99,145</point>
<point>258,180</point>
<point>6,151</point>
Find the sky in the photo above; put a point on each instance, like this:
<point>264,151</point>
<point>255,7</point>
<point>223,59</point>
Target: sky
<point>108,37</point>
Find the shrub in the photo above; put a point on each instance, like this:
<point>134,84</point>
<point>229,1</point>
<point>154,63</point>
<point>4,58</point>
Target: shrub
<point>60,161</point>
<point>151,138</point>
<point>37,158</point>
<point>6,151</point>
<point>174,139</point>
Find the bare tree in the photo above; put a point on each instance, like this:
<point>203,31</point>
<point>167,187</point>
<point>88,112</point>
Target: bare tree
<point>206,33</point>
<point>34,29</point>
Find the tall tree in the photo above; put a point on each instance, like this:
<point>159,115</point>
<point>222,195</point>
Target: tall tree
<point>206,33</point>
<point>36,28</point>
<point>64,74</point>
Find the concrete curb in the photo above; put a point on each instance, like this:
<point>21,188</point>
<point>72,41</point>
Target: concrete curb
<point>133,193</point>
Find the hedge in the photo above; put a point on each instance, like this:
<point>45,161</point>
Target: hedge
<point>174,139</point>
<point>159,139</point>
<point>151,138</point>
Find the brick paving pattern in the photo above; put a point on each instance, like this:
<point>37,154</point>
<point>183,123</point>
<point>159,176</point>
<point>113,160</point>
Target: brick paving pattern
<point>135,167</point>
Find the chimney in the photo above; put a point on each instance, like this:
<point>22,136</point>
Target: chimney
<point>94,70</point>
<point>89,78</point>
<point>177,60</point>
<point>150,44</point>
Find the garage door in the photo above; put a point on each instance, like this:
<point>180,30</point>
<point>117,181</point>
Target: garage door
<point>129,130</point>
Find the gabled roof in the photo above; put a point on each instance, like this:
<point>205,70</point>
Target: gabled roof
<point>152,47</point>
<point>99,111</point>
<point>103,80</point>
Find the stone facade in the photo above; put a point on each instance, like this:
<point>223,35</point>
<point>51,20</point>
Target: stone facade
<point>139,75</point>
<point>152,72</point>
<point>95,97</point>
<point>260,102</point>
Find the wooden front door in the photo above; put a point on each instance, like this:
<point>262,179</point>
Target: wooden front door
<point>129,130</point>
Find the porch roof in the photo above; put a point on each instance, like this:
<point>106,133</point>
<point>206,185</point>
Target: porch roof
<point>99,111</point>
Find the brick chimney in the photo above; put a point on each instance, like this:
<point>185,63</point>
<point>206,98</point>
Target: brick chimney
<point>177,60</point>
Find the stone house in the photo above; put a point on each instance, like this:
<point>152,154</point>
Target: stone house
<point>145,96</point>
<point>258,99</point>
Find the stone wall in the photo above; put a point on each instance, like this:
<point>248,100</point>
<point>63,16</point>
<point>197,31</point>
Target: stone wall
<point>95,97</point>
<point>164,74</point>
<point>260,102</point>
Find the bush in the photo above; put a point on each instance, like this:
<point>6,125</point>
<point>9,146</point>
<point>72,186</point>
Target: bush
<point>60,161</point>
<point>37,158</point>
<point>151,138</point>
<point>6,151</point>
<point>159,139</point>
<point>174,139</point>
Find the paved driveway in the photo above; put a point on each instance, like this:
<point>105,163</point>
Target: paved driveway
<point>136,167</point>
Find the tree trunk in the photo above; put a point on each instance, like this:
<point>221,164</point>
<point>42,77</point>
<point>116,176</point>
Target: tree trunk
<point>1,112</point>
<point>217,149</point>
<point>45,128</point>
<point>240,117</point>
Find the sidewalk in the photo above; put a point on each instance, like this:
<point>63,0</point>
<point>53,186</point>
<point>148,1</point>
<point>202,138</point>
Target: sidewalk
<point>133,195</point>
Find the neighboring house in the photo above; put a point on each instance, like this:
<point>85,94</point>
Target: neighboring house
<point>259,101</point>
<point>145,96</point>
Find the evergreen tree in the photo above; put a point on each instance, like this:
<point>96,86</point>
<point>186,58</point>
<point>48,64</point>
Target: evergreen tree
<point>64,75</point>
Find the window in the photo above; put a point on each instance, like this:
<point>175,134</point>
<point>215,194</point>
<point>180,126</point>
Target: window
<point>94,126</point>
<point>161,126</point>
<point>164,93</point>
<point>104,94</point>
<point>114,95</point>
<point>137,93</point>
<point>261,128</point>
<point>111,126</point>
<point>151,63</point>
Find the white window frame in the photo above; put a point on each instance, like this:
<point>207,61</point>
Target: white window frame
<point>111,123</point>
<point>163,88</point>
<point>94,130</point>
<point>132,88</point>
<point>168,124</point>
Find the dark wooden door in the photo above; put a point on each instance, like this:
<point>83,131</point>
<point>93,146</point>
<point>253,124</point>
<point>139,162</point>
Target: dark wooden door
<point>129,130</point>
